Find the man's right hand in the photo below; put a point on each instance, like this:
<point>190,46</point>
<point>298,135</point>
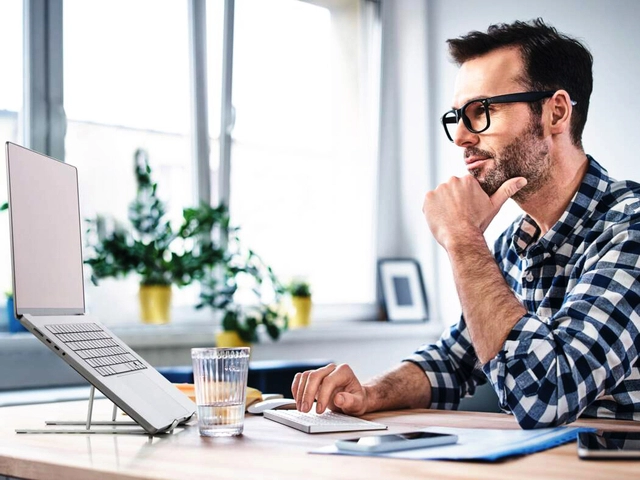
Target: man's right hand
<point>334,387</point>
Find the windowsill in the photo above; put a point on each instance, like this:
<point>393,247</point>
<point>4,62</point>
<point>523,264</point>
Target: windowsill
<point>27,365</point>
<point>185,334</point>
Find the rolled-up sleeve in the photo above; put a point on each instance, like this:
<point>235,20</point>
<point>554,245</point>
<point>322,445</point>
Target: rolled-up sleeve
<point>451,367</point>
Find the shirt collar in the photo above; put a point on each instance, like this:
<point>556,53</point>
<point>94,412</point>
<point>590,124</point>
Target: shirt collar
<point>593,187</point>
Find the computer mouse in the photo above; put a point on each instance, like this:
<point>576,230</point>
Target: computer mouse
<point>272,404</point>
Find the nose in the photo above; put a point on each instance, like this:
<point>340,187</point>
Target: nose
<point>462,137</point>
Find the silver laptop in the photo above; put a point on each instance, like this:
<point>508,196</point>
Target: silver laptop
<point>48,288</point>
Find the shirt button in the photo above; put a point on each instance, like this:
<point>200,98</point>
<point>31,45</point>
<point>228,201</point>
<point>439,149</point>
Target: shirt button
<point>529,277</point>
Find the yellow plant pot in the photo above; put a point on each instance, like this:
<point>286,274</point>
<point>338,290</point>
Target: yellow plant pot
<point>301,314</point>
<point>155,303</point>
<point>230,339</point>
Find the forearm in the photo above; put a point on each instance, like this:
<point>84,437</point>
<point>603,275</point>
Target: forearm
<point>406,386</point>
<point>488,305</point>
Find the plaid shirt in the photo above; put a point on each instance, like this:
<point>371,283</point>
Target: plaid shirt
<point>575,353</point>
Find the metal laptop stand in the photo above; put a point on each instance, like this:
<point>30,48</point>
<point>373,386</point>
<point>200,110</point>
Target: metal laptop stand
<point>136,430</point>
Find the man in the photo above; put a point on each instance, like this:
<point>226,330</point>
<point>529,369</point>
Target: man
<point>551,317</point>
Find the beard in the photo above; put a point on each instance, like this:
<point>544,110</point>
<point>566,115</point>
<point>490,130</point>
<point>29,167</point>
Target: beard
<point>527,156</point>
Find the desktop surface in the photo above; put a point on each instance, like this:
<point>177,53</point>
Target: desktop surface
<point>266,450</point>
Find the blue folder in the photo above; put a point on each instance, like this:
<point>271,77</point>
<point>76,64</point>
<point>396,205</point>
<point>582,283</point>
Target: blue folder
<point>481,444</point>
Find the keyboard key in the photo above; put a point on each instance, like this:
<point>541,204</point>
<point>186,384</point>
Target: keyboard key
<point>92,344</point>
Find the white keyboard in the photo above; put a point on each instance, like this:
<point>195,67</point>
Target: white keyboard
<point>321,423</point>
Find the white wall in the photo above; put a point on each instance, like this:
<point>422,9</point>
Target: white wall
<point>608,28</point>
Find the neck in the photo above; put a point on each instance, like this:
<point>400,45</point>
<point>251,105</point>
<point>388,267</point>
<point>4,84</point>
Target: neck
<point>547,205</point>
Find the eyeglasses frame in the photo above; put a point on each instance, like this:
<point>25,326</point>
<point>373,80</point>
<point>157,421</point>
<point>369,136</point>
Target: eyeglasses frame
<point>508,98</point>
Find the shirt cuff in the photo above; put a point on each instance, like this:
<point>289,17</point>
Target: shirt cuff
<point>445,392</point>
<point>519,365</point>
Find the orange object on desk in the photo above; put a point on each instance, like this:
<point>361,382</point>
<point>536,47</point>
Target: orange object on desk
<point>189,390</point>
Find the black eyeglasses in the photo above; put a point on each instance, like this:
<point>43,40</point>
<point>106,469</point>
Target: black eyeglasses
<point>475,114</point>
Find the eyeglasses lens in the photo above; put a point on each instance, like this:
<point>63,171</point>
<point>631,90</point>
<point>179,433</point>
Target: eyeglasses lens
<point>476,114</point>
<point>475,118</point>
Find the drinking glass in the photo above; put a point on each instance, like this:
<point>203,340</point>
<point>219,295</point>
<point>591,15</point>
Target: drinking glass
<point>220,378</point>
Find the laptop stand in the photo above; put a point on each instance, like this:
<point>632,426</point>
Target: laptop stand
<point>135,430</point>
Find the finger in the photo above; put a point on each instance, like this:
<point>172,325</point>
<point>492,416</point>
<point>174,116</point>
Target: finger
<point>336,382</point>
<point>302,383</point>
<point>313,381</point>
<point>348,403</point>
<point>507,190</point>
<point>295,384</point>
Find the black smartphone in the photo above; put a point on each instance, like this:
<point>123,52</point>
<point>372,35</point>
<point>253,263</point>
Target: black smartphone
<point>395,442</point>
<point>604,445</point>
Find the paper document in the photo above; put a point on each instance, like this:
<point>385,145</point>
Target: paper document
<point>480,444</point>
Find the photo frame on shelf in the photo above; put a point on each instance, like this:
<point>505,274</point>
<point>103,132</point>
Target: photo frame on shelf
<point>402,293</point>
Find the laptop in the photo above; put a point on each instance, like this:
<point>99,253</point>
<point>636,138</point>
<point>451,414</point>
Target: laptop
<point>48,288</point>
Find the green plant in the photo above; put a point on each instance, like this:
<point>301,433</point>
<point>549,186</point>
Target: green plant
<point>152,248</point>
<point>246,292</point>
<point>299,288</point>
<point>235,281</point>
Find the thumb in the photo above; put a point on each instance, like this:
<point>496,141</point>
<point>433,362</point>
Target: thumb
<point>345,402</point>
<point>507,190</point>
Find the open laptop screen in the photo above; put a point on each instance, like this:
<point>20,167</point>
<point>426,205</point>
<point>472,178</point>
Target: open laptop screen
<point>46,245</point>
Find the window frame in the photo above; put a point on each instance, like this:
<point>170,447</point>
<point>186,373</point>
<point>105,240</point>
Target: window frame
<point>45,122</point>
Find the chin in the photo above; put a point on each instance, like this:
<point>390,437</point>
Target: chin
<point>477,174</point>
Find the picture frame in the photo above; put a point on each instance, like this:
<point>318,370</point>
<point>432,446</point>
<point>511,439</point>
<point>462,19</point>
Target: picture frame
<point>402,293</point>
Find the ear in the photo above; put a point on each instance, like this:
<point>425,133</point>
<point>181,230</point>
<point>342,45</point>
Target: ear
<point>558,112</point>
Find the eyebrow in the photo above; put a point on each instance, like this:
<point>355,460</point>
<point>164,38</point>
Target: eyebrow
<point>472,99</point>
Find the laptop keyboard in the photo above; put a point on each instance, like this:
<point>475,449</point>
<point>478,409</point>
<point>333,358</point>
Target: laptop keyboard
<point>96,347</point>
<point>321,423</point>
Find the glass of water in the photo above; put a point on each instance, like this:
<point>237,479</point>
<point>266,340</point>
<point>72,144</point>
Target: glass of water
<point>220,377</point>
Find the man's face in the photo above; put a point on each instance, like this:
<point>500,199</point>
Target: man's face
<point>513,145</point>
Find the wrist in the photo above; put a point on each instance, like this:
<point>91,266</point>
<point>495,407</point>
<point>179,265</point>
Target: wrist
<point>461,241</point>
<point>368,396</point>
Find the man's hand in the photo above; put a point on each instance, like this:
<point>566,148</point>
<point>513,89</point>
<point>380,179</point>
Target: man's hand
<point>460,206</point>
<point>334,387</point>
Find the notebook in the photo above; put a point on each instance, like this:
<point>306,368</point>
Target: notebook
<point>48,288</point>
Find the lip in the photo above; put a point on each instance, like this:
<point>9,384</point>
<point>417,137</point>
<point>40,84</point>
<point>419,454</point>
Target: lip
<point>475,162</point>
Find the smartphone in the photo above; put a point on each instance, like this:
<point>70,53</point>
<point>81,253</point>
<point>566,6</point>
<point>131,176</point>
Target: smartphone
<point>395,442</point>
<point>604,445</point>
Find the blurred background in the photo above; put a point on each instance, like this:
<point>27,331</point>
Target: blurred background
<point>316,121</point>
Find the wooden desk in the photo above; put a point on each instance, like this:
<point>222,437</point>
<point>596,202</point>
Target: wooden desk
<point>266,450</point>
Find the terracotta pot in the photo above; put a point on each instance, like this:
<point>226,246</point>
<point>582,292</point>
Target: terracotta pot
<point>155,303</point>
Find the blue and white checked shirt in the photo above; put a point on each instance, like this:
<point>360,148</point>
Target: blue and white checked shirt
<point>575,353</point>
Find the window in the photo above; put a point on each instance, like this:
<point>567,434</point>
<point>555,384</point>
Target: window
<point>126,75</point>
<point>302,175</point>
<point>10,111</point>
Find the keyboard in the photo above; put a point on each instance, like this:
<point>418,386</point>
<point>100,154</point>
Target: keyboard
<point>321,423</point>
<point>96,347</point>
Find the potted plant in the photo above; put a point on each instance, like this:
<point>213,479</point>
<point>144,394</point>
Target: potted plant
<point>13,323</point>
<point>235,281</point>
<point>161,255</point>
<point>247,294</point>
<point>301,302</point>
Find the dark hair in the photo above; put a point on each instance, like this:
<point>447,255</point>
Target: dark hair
<point>551,60</point>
